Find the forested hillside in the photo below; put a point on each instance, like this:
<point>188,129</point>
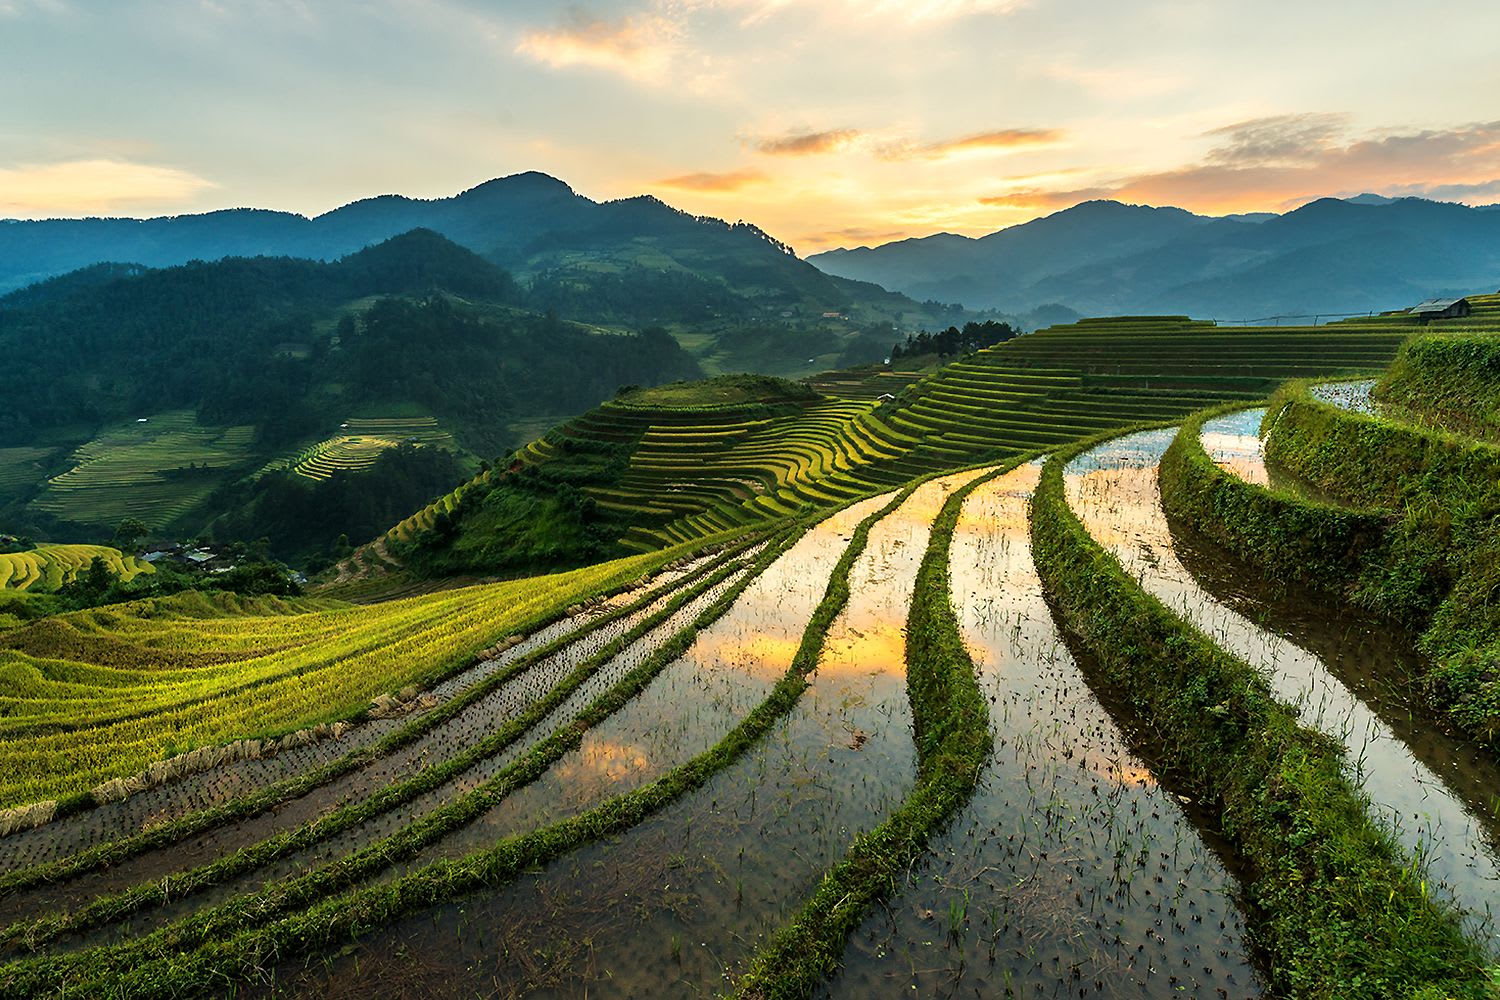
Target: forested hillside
<point>180,394</point>
<point>737,298</point>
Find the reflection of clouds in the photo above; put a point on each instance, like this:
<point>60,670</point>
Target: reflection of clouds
<point>1233,442</point>
<point>760,633</point>
<point>869,637</point>
<point>601,759</point>
<point>1102,499</point>
<point>760,653</point>
<point>878,647</point>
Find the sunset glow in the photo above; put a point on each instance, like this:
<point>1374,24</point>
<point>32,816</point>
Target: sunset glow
<point>826,122</point>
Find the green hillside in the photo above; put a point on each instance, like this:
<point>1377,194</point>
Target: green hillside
<point>255,398</point>
<point>660,470</point>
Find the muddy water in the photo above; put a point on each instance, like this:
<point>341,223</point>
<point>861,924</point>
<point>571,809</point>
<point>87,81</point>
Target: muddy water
<point>675,905</point>
<point>1114,491</point>
<point>1071,868</point>
<point>470,726</point>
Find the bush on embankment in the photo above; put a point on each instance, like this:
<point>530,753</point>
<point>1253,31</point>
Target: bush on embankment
<point>1288,537</point>
<point>1440,566</point>
<point>1447,381</point>
<point>1330,901</point>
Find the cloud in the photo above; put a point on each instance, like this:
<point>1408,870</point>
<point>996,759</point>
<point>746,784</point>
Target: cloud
<point>1451,192</point>
<point>1281,162</point>
<point>93,187</point>
<point>733,180</point>
<point>1278,139</point>
<point>808,143</point>
<point>997,141</point>
<point>642,48</point>
<point>1043,198</point>
<point>901,11</point>
<point>853,234</point>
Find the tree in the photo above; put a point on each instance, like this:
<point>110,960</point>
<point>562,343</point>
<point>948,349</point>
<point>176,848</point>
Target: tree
<point>129,532</point>
<point>95,580</point>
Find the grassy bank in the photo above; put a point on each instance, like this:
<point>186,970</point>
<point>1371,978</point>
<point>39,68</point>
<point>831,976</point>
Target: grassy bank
<point>1440,567</point>
<point>1447,381</point>
<point>1332,904</point>
<point>1285,536</point>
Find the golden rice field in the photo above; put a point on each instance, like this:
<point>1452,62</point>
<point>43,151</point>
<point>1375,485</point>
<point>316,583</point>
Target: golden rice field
<point>102,693</point>
<point>49,567</point>
<point>359,444</point>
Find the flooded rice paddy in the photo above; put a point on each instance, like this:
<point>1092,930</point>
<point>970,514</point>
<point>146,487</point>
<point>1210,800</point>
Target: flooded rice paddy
<point>1433,814</point>
<point>1070,870</point>
<point>218,785</point>
<point>438,744</point>
<point>614,915</point>
<point>469,730</point>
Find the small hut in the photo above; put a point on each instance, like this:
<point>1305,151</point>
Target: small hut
<point>1441,309</point>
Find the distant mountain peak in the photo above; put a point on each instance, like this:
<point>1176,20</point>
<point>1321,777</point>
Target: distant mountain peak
<point>528,180</point>
<point>1104,257</point>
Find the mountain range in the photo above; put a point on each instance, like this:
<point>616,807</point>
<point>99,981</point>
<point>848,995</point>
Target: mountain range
<point>1108,258</point>
<point>627,264</point>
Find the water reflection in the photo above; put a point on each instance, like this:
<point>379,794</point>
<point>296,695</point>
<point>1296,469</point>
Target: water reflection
<point>1070,869</point>
<point>677,903</point>
<point>1114,491</point>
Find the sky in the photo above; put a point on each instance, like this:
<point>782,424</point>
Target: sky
<point>826,122</point>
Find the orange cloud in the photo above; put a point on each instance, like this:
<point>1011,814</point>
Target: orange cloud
<point>808,143</point>
<point>93,187</point>
<point>1284,161</point>
<point>853,234</point>
<point>642,48</point>
<point>999,140</point>
<point>732,180</point>
<point>1041,198</point>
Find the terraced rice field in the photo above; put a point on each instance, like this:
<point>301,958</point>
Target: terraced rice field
<point>1004,730</point>
<point>156,469</point>
<point>98,695</point>
<point>47,568</point>
<point>20,467</point>
<point>643,797</point>
<point>360,444</point>
<point>696,472</point>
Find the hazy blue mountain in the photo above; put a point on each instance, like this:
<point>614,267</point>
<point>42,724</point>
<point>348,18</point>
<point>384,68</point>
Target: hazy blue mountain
<point>630,262</point>
<point>1329,256</point>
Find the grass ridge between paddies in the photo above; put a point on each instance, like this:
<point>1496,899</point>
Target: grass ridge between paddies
<point>1331,901</point>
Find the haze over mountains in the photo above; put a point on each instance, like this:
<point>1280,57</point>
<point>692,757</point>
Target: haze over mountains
<point>1106,258</point>
<point>638,259</point>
